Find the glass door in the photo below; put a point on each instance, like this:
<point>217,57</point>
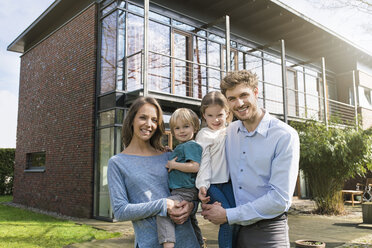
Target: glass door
<point>181,68</point>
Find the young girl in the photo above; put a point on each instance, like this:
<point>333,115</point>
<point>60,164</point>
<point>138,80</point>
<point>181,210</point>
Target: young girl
<point>213,176</point>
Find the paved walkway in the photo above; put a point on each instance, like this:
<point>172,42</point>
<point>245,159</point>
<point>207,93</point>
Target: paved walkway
<point>334,230</point>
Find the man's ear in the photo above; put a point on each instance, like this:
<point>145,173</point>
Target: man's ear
<point>255,92</point>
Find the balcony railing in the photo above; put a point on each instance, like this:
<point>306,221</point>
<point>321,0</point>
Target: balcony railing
<point>188,79</point>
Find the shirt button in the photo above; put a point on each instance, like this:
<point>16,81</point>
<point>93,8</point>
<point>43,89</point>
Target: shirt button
<point>241,170</point>
<point>240,187</point>
<point>243,152</point>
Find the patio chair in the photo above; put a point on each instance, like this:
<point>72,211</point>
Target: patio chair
<point>367,190</point>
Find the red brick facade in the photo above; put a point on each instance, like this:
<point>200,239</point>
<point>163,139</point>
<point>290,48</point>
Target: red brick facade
<point>56,115</point>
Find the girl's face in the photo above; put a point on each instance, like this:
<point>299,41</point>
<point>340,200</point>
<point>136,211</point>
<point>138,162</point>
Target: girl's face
<point>215,116</point>
<point>145,122</point>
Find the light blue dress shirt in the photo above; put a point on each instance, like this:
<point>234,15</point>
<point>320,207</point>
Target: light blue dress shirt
<point>138,188</point>
<point>263,167</point>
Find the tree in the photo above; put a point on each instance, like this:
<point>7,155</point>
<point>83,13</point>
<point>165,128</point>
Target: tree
<point>364,6</point>
<point>331,156</point>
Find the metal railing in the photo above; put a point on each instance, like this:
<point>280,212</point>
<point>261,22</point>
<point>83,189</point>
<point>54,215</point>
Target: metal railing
<point>181,77</point>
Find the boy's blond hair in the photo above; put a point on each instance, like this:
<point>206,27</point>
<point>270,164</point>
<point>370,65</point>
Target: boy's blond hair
<point>184,115</point>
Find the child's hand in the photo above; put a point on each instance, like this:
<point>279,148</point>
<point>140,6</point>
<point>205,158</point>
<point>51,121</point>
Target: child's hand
<point>203,195</point>
<point>167,149</point>
<point>171,165</point>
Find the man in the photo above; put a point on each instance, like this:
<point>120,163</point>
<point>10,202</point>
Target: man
<point>262,154</point>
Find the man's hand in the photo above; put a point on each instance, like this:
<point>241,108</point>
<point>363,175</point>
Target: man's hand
<point>181,212</point>
<point>171,164</point>
<point>203,195</point>
<point>215,213</point>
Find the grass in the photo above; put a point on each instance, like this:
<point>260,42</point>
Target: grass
<point>22,228</point>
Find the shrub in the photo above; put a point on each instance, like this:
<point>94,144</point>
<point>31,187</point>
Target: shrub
<point>6,171</point>
<point>329,157</point>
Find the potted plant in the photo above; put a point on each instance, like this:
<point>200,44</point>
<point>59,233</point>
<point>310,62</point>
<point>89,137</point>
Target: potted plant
<point>309,243</point>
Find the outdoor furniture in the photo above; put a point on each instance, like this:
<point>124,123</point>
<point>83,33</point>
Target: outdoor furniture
<point>353,193</point>
<point>367,190</point>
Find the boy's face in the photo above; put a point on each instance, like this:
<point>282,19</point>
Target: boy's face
<point>183,131</point>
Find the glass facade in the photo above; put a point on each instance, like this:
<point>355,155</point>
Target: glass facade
<point>183,61</point>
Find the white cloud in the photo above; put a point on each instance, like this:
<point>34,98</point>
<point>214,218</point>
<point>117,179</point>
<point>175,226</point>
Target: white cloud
<point>8,123</point>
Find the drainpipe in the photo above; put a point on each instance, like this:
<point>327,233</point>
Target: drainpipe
<point>284,81</point>
<point>324,93</point>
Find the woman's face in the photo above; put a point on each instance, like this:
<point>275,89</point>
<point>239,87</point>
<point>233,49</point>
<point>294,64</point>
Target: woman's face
<point>145,122</point>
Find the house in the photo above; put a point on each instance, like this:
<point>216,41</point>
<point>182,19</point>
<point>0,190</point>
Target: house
<point>84,62</point>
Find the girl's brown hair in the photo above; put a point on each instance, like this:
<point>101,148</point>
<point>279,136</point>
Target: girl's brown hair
<point>215,98</point>
<point>127,130</point>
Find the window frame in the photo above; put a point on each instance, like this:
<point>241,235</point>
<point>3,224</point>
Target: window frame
<point>30,167</point>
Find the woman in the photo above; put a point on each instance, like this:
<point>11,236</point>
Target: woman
<point>138,179</point>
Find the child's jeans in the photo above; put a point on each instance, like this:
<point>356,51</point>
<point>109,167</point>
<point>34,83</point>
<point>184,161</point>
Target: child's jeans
<point>224,194</point>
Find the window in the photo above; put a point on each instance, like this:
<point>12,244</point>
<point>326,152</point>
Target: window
<point>365,95</point>
<point>35,161</point>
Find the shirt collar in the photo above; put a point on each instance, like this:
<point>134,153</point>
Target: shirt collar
<point>262,127</point>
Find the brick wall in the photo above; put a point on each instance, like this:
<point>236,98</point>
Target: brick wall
<point>56,115</point>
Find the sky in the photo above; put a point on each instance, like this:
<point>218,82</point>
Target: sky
<point>16,16</point>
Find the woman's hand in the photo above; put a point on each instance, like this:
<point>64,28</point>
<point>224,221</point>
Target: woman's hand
<point>203,195</point>
<point>170,205</point>
<point>181,212</point>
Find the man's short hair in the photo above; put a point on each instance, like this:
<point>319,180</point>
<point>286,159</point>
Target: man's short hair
<point>235,78</point>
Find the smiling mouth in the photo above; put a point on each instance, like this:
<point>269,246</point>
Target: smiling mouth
<point>146,132</point>
<point>242,109</point>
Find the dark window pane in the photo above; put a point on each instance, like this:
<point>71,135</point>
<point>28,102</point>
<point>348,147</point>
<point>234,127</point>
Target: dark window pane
<point>159,65</point>
<point>159,18</point>
<point>108,50</point>
<point>135,45</point>
<point>254,64</point>
<point>135,9</point>
<point>182,26</point>
<point>107,118</point>
<point>121,50</point>
<point>108,8</point>
<point>200,72</point>
<point>35,160</point>
<point>273,73</point>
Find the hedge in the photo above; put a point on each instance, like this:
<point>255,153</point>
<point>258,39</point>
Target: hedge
<point>6,170</point>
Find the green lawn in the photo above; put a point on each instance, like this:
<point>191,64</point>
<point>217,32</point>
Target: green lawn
<point>22,228</point>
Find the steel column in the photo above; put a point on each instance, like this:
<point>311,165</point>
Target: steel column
<point>284,81</point>
<point>227,20</point>
<point>355,101</point>
<point>324,92</point>
<point>145,47</point>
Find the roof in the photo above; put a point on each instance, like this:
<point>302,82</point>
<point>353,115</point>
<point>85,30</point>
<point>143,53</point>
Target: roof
<point>261,21</point>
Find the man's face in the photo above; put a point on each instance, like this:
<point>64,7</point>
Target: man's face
<point>242,101</point>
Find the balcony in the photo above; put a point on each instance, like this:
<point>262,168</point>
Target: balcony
<point>185,82</point>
